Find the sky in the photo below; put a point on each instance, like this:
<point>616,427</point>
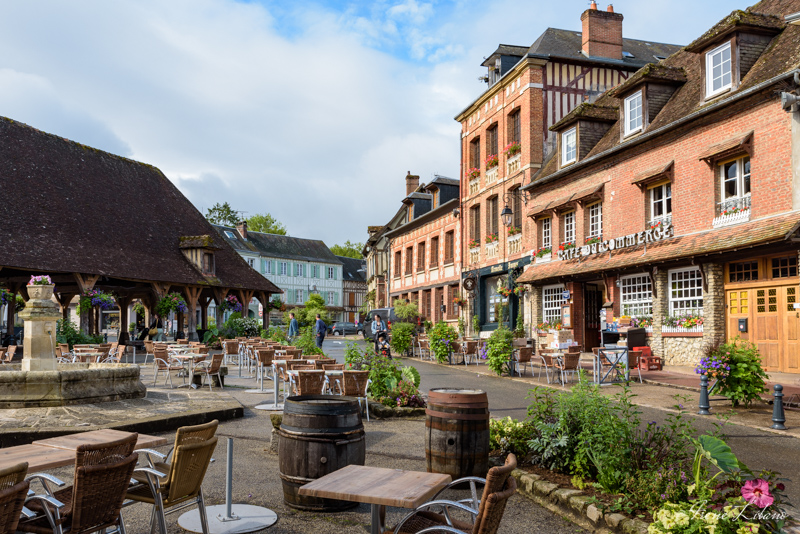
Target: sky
<point>311,111</point>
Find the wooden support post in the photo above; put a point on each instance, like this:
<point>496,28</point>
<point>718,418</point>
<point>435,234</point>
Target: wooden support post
<point>123,303</point>
<point>85,283</point>
<point>63,300</point>
<point>219,295</point>
<point>245,296</point>
<point>192,297</point>
<point>204,302</point>
<point>263,298</point>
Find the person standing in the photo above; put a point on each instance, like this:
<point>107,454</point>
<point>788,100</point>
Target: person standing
<point>320,328</point>
<point>378,327</point>
<point>294,329</point>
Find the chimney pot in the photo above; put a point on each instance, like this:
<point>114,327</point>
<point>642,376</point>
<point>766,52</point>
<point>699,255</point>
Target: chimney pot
<point>593,5</point>
<point>601,33</point>
<point>242,228</point>
<point>610,8</point>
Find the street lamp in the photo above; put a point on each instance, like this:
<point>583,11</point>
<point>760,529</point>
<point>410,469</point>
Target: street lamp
<point>507,216</point>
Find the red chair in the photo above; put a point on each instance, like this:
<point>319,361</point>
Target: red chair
<point>647,361</point>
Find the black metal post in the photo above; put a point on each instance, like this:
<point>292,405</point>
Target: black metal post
<point>704,404</point>
<point>778,417</point>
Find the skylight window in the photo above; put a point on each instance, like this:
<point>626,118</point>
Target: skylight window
<point>230,234</point>
<point>627,54</point>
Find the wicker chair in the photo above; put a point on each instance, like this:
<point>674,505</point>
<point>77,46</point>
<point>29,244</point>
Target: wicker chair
<point>12,505</point>
<point>208,369</point>
<point>548,358</point>
<point>523,356</point>
<point>149,350</point>
<point>487,512</point>
<point>309,382</point>
<point>470,350</point>
<point>569,363</point>
<point>356,384</point>
<point>231,350</point>
<point>162,362</point>
<point>265,357</point>
<point>333,367</point>
<point>323,361</point>
<point>424,349</point>
<point>102,475</point>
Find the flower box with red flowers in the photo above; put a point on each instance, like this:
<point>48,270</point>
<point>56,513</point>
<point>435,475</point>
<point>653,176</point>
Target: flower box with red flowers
<point>512,149</point>
<point>473,173</point>
<point>473,243</point>
<point>491,238</point>
<point>491,161</point>
<point>566,246</point>
<point>544,251</point>
<point>514,230</point>
<point>592,240</point>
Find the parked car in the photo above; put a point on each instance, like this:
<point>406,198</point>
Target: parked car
<point>340,328</point>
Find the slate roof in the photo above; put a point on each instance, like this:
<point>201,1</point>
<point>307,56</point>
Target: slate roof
<point>67,207</point>
<point>585,110</point>
<point>279,246</point>
<point>781,56</point>
<point>752,233</point>
<point>350,267</point>
<point>505,50</point>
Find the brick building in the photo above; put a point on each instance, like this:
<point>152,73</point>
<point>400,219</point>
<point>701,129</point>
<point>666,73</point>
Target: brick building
<point>675,196</point>
<point>424,249</point>
<point>505,138</point>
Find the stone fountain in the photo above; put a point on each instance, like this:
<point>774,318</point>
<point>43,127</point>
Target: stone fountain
<point>41,381</point>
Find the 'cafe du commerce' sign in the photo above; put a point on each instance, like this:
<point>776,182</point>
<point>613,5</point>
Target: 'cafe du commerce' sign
<point>648,236</point>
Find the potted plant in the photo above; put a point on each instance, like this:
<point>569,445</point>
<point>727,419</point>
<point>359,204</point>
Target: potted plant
<point>543,251</point>
<point>491,238</point>
<point>40,287</point>
<point>132,328</point>
<point>512,149</point>
<point>474,172</point>
<point>491,161</point>
<point>474,243</point>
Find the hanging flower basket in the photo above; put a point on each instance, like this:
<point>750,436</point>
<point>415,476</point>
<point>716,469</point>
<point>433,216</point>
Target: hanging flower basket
<point>6,296</point>
<point>231,303</point>
<point>172,302</point>
<point>96,298</point>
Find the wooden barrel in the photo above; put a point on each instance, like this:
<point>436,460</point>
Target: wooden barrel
<point>319,435</point>
<point>457,432</point>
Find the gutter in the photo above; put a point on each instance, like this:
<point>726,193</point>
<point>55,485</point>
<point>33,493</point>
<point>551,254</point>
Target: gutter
<point>664,129</point>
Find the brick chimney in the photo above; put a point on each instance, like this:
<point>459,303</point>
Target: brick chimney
<point>412,182</point>
<point>602,32</point>
<point>242,227</point>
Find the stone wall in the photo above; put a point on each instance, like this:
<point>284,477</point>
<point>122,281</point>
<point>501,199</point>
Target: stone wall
<point>682,350</point>
<point>660,310</point>
<point>714,305</point>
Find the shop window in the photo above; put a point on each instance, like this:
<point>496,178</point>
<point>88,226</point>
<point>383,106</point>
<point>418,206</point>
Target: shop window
<point>784,267</point>
<point>569,146</point>
<point>734,186</point>
<point>595,220</point>
<point>637,295</point>
<point>685,292</point>
<point>633,113</point>
<point>569,227</point>
<point>660,204</point>
<point>719,76</point>
<point>552,299</point>
<point>743,271</point>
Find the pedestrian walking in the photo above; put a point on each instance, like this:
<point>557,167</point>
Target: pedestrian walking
<point>320,328</point>
<point>378,328</point>
<point>294,329</point>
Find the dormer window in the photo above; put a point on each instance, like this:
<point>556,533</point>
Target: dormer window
<point>719,77</point>
<point>569,146</point>
<point>208,263</point>
<point>633,113</point>
<point>199,250</point>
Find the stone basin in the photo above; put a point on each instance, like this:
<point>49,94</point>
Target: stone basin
<point>70,383</point>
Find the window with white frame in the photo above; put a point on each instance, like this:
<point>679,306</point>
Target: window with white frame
<point>284,268</point>
<point>685,292</point>
<point>735,183</point>
<point>569,227</point>
<point>330,298</point>
<point>299,298</point>
<point>331,272</point>
<point>268,266</point>
<point>251,262</point>
<point>719,76</point>
<point>547,233</point>
<point>633,113</point>
<point>660,202</point>
<point>298,269</point>
<point>637,295</point>
<point>596,220</point>
<point>569,146</point>
<point>552,299</point>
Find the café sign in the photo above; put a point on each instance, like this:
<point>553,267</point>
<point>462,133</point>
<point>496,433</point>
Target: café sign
<point>642,238</point>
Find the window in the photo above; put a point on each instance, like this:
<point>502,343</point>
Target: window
<point>546,240</point>
<point>551,303</point>
<point>332,273</point>
<point>475,153</point>
<point>516,208</point>
<point>596,220</point>
<point>314,271</point>
<point>284,268</point>
<point>637,295</point>
<point>229,234</point>
<point>718,70</point>
<point>330,298</point>
<point>475,223</point>
<point>298,269</point>
<point>421,256</point>
<point>251,262</point>
<point>299,297</point>
<point>784,267</point>
<point>514,127</point>
<point>492,216</point>
<point>735,184</point>
<point>685,292</point>
<point>661,203</point>
<point>267,266</point>
<point>397,263</point>
<point>409,260</point>
<point>495,302</point>
<point>743,271</point>
<point>434,263</point>
<point>569,146</point>
<point>569,227</point>
<point>491,141</point>
<point>208,263</point>
<point>633,113</point>
<point>449,246</point>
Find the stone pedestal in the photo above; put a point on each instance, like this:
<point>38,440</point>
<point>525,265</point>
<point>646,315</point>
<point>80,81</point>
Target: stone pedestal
<point>40,316</point>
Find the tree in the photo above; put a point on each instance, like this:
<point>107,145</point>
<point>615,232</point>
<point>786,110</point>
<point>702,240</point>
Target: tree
<point>307,315</point>
<point>222,214</point>
<point>265,223</point>
<point>349,250</point>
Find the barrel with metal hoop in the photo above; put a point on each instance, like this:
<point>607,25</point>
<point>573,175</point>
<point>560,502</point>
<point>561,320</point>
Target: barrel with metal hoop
<point>319,434</point>
<point>457,432</point>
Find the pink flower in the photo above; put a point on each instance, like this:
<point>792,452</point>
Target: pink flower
<point>757,492</point>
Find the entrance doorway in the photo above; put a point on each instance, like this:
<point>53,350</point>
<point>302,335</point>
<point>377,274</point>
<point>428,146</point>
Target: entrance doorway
<point>592,304</point>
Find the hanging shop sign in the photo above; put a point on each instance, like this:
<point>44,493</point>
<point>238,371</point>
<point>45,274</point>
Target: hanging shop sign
<point>642,238</point>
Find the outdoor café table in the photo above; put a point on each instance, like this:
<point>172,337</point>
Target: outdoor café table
<point>616,356</point>
<point>71,442</point>
<point>189,357</point>
<point>379,487</point>
<point>87,357</point>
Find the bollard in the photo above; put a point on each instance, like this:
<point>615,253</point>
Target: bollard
<point>778,417</point>
<point>704,404</point>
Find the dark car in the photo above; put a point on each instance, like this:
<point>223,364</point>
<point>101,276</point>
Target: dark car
<point>340,328</point>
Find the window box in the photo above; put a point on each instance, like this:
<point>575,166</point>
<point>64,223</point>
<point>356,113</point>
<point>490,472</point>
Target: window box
<point>546,258</point>
<point>514,230</point>
<point>475,255</point>
<point>474,173</point>
<point>491,238</point>
<point>543,252</point>
<point>681,329</point>
<point>491,175</point>
<point>732,211</point>
<point>514,243</point>
<point>492,249</point>
<point>566,246</point>
<point>660,222</point>
<point>491,161</point>
<point>473,243</point>
<point>512,149</point>
<point>593,239</point>
<point>474,184</point>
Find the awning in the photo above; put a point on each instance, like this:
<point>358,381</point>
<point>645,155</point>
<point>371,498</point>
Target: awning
<point>580,196</point>
<point>654,175</point>
<point>738,144</point>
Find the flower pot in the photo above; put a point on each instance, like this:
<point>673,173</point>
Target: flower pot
<point>41,292</point>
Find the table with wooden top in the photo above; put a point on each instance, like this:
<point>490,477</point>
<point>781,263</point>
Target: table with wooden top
<point>60,451</point>
<point>378,486</point>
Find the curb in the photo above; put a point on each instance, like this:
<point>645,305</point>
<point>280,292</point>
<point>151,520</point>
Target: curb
<point>575,505</point>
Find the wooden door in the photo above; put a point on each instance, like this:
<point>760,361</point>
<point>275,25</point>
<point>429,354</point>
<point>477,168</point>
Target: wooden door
<point>766,326</point>
<point>791,331</point>
<point>593,303</point>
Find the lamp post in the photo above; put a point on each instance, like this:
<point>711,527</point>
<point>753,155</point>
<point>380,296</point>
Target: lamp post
<point>506,215</point>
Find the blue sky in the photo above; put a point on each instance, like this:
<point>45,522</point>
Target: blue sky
<point>312,111</point>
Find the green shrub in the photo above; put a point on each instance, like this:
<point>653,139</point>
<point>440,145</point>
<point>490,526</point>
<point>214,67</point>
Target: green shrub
<point>405,311</point>
<point>67,332</point>
<point>509,435</point>
<point>276,334</point>
<point>476,326</point>
<point>737,368</point>
<point>402,337</point>
<point>307,341</point>
<point>403,393</point>
<point>441,339</point>
<point>499,348</point>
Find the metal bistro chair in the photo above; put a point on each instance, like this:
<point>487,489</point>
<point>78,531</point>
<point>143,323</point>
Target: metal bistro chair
<point>424,349</point>
<point>548,359</point>
<point>487,513</point>
<point>333,367</point>
<point>208,369</point>
<point>231,349</point>
<point>102,475</point>
<point>470,349</point>
<point>162,362</point>
<point>265,357</point>
<point>174,486</point>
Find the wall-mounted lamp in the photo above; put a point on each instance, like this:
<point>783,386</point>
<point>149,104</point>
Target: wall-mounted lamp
<point>443,308</point>
<point>619,284</point>
<point>507,216</point>
<point>456,212</point>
